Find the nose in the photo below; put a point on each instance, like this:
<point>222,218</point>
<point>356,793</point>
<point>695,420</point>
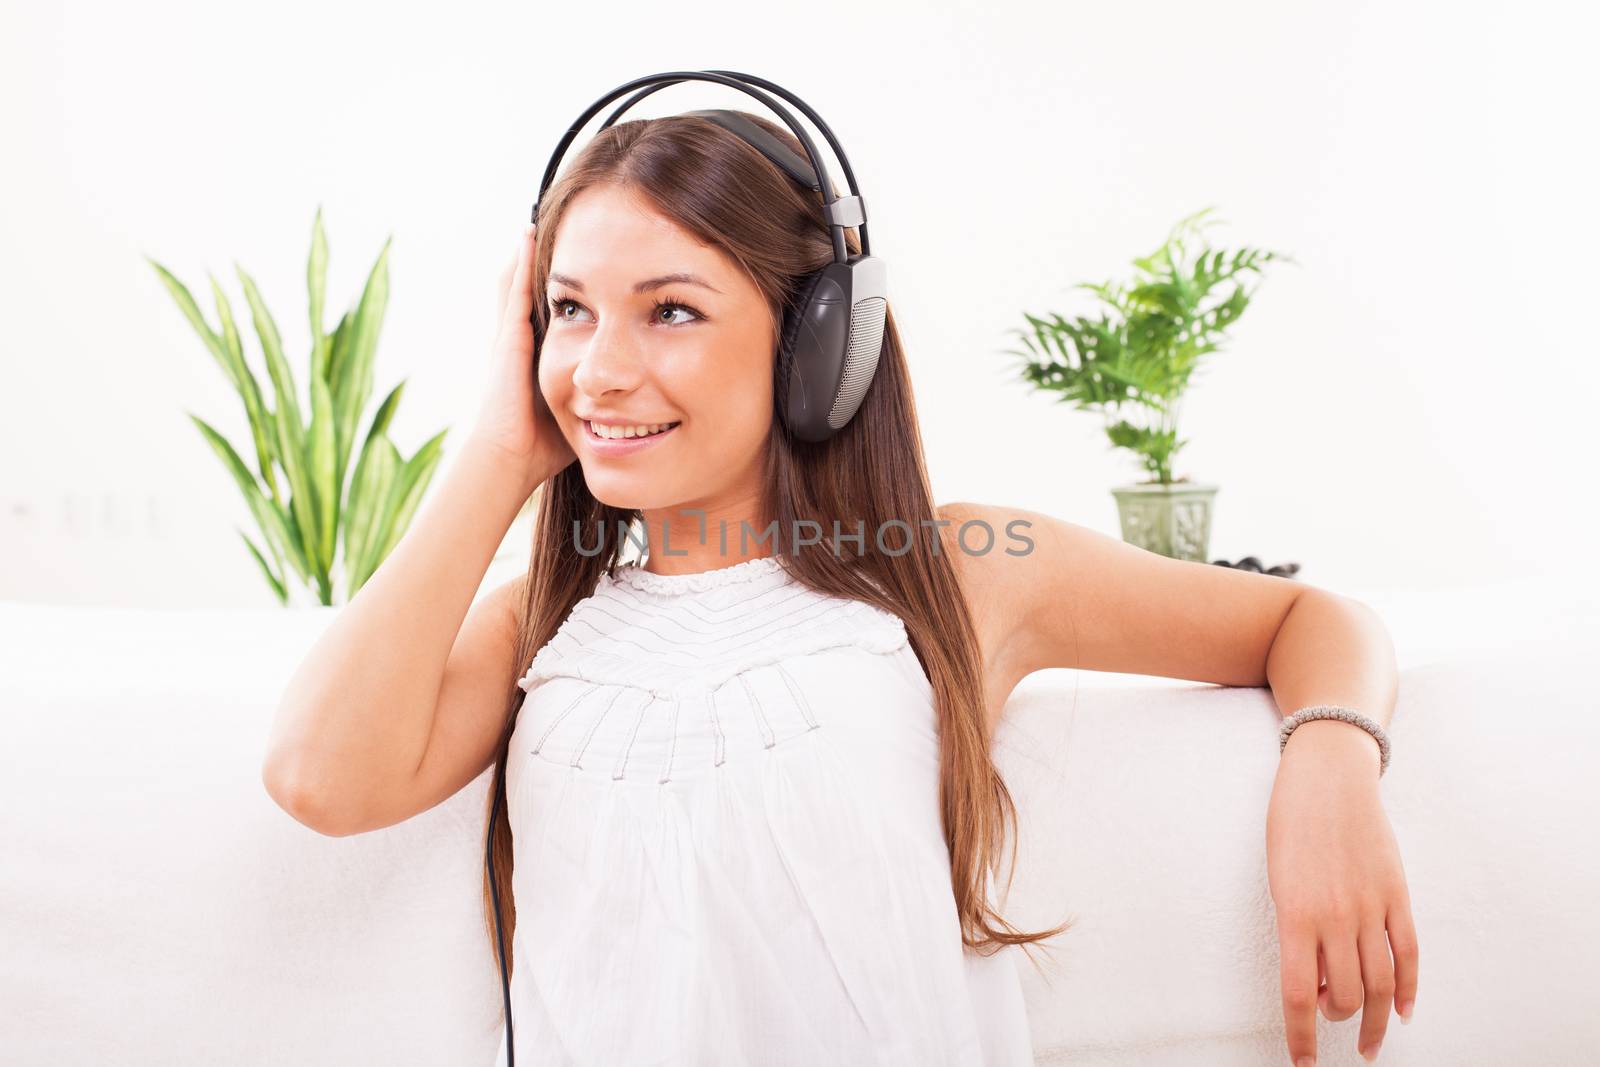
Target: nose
<point>608,362</point>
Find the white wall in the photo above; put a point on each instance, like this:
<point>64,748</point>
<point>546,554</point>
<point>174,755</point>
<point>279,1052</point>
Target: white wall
<point>1411,406</point>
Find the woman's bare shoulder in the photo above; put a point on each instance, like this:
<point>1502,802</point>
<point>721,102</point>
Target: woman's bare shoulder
<point>986,544</point>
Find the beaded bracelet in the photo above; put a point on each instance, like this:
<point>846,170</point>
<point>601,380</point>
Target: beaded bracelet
<point>1344,714</point>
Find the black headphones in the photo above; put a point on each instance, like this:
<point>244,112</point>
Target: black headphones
<point>832,331</point>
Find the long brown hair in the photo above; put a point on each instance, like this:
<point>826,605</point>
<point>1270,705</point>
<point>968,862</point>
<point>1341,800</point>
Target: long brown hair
<point>869,474</point>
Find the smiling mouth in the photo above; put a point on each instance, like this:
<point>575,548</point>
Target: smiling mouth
<point>637,433</point>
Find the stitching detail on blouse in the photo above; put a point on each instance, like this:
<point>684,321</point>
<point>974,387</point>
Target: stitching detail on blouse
<point>716,724</point>
<point>855,623</point>
<point>622,761</point>
<point>694,650</point>
<point>713,626</point>
<point>760,713</point>
<point>557,720</point>
<point>589,734</point>
<point>630,574</point>
<point>672,746</point>
<point>799,696</point>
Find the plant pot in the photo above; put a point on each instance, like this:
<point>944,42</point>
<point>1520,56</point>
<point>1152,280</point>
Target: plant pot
<point>1172,519</point>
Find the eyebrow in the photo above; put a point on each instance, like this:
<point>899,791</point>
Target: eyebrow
<point>648,285</point>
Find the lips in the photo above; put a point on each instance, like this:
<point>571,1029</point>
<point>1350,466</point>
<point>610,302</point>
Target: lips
<point>605,447</point>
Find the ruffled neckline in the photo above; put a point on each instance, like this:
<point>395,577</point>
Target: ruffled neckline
<point>633,576</point>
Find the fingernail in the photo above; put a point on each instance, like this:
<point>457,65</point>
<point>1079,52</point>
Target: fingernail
<point>1306,1061</point>
<point>1372,1052</point>
<point>1405,1011</point>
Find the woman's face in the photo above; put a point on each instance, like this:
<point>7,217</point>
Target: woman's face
<point>631,352</point>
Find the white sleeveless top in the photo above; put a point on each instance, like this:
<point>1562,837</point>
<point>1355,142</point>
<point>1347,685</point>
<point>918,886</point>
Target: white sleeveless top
<point>723,791</point>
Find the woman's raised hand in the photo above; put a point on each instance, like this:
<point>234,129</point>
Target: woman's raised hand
<point>514,418</point>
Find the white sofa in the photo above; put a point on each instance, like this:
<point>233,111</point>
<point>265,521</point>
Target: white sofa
<point>156,907</point>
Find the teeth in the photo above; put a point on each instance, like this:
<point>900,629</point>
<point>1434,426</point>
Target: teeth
<point>616,433</point>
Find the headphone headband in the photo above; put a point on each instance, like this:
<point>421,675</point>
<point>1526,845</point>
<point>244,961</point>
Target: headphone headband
<point>840,211</point>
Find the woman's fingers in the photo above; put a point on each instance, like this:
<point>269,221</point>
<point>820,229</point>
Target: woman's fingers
<point>1377,987</point>
<point>517,309</point>
<point>1403,946</point>
<point>1343,964</point>
<point>506,275</point>
<point>1297,961</point>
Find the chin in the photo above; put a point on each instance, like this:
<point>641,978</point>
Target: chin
<point>625,491</point>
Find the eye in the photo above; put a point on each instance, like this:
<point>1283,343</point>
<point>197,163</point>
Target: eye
<point>673,305</point>
<point>556,305</point>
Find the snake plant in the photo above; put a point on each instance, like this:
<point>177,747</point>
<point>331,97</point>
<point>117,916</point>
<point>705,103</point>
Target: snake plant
<point>297,489</point>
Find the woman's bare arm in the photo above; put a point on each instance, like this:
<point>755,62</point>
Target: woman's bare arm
<point>397,701</point>
<point>355,721</point>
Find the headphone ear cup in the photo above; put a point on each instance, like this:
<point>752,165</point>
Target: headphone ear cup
<point>794,317</point>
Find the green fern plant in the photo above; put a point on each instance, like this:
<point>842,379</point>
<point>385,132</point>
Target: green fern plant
<point>297,490</point>
<point>1143,352</point>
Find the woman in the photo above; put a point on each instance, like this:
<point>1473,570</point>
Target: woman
<point>750,814</point>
